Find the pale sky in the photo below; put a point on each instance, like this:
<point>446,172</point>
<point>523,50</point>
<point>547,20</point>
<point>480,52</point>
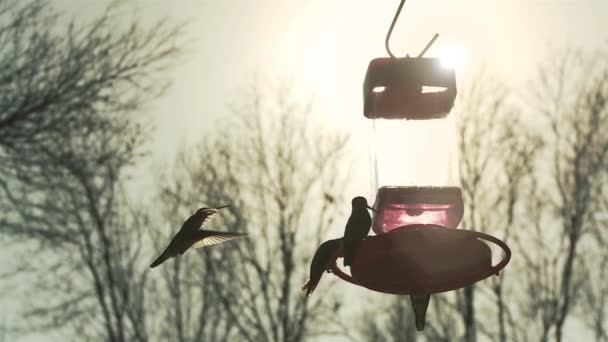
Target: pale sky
<point>324,46</point>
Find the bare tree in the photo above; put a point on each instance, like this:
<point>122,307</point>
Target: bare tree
<point>591,275</point>
<point>285,179</point>
<point>518,147</point>
<point>393,324</point>
<point>57,82</point>
<point>498,153</point>
<point>572,96</point>
<point>67,141</point>
<point>593,270</point>
<point>479,111</point>
<point>75,212</point>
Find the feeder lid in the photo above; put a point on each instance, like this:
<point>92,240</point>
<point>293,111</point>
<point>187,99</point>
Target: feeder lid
<point>404,96</point>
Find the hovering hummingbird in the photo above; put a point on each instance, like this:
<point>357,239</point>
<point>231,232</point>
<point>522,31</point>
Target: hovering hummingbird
<point>357,228</point>
<point>319,264</point>
<point>420,304</point>
<point>192,234</point>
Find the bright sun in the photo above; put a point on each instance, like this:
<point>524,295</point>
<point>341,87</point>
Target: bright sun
<point>452,57</point>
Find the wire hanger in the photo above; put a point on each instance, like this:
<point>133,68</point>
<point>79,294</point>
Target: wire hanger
<point>390,31</point>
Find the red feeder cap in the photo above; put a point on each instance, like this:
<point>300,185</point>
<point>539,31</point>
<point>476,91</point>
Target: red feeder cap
<point>403,80</point>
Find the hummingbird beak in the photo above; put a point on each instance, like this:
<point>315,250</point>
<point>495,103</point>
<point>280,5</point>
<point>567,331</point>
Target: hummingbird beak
<point>372,209</point>
<point>224,206</point>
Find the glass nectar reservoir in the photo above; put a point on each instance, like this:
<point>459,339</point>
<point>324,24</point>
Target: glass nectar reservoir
<point>414,147</point>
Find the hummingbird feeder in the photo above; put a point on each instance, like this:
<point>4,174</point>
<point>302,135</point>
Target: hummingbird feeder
<point>417,249</point>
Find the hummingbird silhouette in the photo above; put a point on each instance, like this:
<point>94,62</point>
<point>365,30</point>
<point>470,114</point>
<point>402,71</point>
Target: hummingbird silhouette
<point>319,264</point>
<point>192,234</point>
<point>420,304</point>
<point>357,228</point>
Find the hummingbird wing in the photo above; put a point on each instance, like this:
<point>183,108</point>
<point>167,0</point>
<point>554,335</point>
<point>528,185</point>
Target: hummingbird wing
<point>207,219</point>
<point>192,234</point>
<point>211,237</point>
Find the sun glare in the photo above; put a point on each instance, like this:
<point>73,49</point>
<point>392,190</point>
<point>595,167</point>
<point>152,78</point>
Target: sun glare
<point>452,57</point>
<point>378,89</point>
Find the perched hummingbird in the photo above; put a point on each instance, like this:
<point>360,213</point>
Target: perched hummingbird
<point>319,264</point>
<point>193,235</point>
<point>420,304</point>
<point>357,228</point>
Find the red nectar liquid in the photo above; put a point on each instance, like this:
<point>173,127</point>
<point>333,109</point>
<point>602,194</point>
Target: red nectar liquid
<point>401,206</point>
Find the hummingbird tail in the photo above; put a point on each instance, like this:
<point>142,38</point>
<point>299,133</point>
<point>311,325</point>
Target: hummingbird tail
<point>308,287</point>
<point>350,248</point>
<point>162,258</point>
<point>348,257</point>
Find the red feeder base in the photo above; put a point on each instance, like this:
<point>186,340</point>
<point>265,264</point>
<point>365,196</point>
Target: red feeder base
<point>422,259</point>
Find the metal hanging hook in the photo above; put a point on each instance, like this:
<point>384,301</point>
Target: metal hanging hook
<point>390,31</point>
